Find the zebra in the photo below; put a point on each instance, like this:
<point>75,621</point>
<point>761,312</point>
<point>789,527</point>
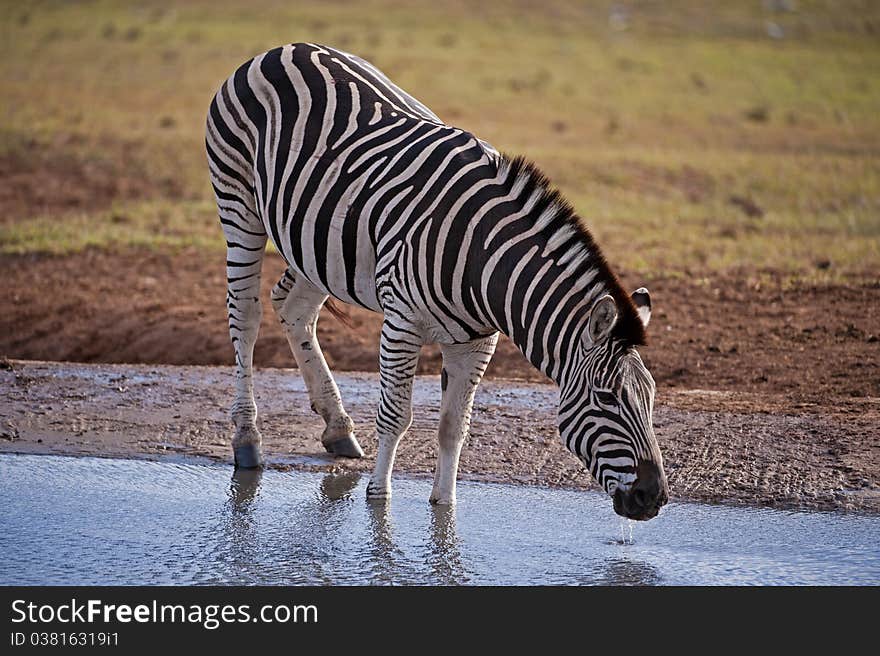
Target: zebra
<point>374,201</point>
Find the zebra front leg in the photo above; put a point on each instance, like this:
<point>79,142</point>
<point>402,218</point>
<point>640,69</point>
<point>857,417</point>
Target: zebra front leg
<point>399,348</point>
<point>298,303</point>
<point>463,368</point>
<point>245,312</point>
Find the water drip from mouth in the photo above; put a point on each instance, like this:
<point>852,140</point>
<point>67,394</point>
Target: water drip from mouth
<point>626,531</point>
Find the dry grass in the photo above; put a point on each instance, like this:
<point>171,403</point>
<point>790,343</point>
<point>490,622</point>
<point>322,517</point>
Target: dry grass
<point>690,138</point>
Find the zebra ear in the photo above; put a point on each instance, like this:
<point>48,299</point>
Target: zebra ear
<point>602,319</point>
<point>642,300</point>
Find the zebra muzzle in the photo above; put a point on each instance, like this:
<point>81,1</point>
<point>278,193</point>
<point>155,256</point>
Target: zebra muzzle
<point>645,497</point>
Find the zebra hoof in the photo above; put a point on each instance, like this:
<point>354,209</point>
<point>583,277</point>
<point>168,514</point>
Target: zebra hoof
<point>248,456</point>
<point>346,447</point>
<point>378,493</point>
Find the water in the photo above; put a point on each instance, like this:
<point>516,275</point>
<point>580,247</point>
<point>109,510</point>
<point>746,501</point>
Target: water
<point>95,521</point>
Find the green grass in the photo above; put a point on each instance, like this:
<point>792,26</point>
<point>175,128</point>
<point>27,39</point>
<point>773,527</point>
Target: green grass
<point>649,123</point>
<point>154,224</point>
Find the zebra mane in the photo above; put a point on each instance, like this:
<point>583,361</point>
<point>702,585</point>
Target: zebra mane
<point>561,223</point>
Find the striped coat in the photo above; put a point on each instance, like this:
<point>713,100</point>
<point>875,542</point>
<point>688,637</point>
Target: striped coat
<point>372,200</point>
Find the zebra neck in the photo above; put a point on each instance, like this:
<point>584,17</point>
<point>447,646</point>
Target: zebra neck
<point>538,286</point>
<point>537,271</point>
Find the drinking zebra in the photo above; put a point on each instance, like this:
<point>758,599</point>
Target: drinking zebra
<point>373,200</point>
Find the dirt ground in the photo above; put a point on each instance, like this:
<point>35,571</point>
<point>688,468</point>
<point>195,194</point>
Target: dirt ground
<point>802,347</point>
<point>728,453</point>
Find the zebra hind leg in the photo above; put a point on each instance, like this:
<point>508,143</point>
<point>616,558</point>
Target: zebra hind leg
<point>463,368</point>
<point>297,303</point>
<point>244,261</point>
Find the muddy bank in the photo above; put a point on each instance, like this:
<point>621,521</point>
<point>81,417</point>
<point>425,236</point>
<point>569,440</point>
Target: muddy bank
<point>717,448</point>
<point>743,332</point>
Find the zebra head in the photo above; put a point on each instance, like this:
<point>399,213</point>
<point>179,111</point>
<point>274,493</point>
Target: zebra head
<point>605,409</point>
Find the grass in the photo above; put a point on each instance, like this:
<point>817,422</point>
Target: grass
<point>154,224</point>
<point>660,122</point>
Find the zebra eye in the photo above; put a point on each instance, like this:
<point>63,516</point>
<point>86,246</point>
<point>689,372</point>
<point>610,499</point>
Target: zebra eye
<point>606,398</point>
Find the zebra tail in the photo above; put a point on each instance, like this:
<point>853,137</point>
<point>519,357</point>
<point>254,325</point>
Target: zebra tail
<point>342,316</point>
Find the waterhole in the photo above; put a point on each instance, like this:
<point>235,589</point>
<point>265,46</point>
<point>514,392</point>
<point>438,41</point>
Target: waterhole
<point>69,521</point>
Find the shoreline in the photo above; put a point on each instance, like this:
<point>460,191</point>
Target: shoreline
<point>718,447</point>
<point>281,467</point>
